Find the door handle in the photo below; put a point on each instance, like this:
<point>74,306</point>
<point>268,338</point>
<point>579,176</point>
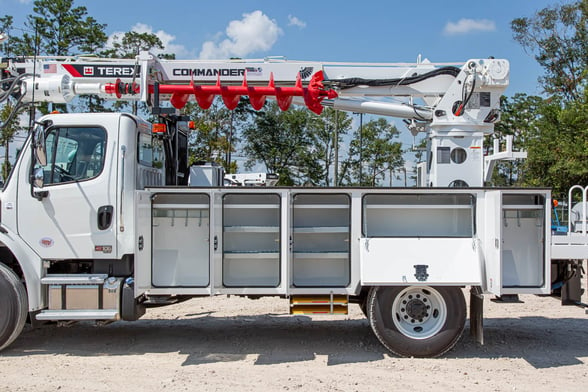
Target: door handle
<point>105,217</point>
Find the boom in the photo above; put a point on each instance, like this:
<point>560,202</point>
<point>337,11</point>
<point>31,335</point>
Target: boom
<point>456,105</point>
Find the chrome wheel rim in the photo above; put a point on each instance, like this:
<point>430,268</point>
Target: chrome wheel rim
<point>419,312</point>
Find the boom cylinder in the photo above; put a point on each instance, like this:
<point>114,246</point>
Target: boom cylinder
<point>380,108</point>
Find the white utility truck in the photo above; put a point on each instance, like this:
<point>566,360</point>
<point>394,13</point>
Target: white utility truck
<point>98,221</point>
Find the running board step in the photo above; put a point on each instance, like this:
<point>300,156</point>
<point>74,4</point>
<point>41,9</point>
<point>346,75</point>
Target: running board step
<point>319,304</point>
<point>97,314</point>
<point>69,279</point>
<point>82,297</point>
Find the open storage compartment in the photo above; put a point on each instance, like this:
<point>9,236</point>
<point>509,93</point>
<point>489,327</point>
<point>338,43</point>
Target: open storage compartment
<point>523,240</point>
<point>251,240</point>
<point>418,215</point>
<point>418,238</point>
<point>320,233</point>
<point>181,240</point>
<point>516,255</point>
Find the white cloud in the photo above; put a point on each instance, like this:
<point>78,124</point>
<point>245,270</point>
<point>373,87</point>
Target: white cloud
<point>294,21</point>
<point>255,32</point>
<point>464,26</point>
<point>166,39</point>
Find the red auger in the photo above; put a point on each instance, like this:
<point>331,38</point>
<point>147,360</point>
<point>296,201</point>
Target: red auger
<point>313,94</point>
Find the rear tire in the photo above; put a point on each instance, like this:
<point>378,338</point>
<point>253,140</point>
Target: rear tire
<point>13,306</point>
<point>414,321</point>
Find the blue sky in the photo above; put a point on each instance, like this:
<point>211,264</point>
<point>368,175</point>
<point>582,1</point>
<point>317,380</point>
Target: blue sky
<point>342,31</point>
<point>358,31</point>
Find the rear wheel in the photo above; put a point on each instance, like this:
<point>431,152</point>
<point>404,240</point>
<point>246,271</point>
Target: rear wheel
<point>13,306</point>
<point>417,321</point>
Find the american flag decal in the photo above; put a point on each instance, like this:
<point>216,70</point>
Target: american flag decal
<point>49,68</point>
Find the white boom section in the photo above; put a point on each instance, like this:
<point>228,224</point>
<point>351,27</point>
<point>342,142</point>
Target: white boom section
<point>455,105</point>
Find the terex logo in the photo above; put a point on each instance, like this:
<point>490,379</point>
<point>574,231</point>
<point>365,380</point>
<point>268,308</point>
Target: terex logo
<point>88,71</point>
<point>114,71</point>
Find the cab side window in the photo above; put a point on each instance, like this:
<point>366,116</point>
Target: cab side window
<point>74,154</point>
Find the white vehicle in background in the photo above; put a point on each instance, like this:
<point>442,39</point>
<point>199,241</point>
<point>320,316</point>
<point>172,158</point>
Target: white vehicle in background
<point>251,179</point>
<point>212,174</point>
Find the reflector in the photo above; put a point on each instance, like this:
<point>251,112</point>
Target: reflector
<point>158,128</point>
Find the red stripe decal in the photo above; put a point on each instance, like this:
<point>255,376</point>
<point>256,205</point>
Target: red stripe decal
<point>70,68</point>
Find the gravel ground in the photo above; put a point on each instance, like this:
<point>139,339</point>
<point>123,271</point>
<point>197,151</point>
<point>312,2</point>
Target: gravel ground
<point>237,344</point>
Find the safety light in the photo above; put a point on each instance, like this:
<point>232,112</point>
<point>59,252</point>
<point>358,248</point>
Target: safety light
<point>191,125</point>
<point>158,128</point>
<point>555,203</point>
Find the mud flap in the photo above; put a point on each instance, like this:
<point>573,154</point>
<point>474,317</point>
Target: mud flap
<point>571,292</point>
<point>477,314</point>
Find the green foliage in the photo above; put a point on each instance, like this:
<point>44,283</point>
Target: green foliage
<point>5,27</point>
<point>519,115</point>
<point>282,142</point>
<point>131,43</point>
<point>61,29</point>
<point>372,154</point>
<point>214,138</point>
<point>558,146</point>
<point>325,133</point>
<point>555,131</point>
<point>8,128</point>
<point>558,38</point>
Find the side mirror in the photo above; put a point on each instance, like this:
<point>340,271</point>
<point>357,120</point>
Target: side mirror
<point>40,158</point>
<point>38,178</point>
<point>39,146</point>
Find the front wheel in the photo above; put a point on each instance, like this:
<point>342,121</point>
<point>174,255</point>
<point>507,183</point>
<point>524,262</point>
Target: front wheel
<point>417,321</point>
<point>13,306</point>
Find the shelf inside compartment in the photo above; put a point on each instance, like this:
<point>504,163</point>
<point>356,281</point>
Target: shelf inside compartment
<point>417,206</point>
<point>177,206</point>
<point>522,207</point>
<point>320,229</point>
<point>320,255</point>
<point>251,255</point>
<point>251,206</point>
<point>322,206</point>
<point>251,241</point>
<point>251,229</point>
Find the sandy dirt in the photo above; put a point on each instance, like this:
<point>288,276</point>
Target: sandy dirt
<point>237,344</point>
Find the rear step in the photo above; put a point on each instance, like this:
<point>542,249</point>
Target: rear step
<point>60,315</point>
<point>319,304</point>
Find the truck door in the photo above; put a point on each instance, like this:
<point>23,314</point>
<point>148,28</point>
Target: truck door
<point>76,218</point>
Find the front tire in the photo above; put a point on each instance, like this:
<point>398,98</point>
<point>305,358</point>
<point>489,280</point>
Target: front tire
<point>13,306</point>
<point>415,321</point>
